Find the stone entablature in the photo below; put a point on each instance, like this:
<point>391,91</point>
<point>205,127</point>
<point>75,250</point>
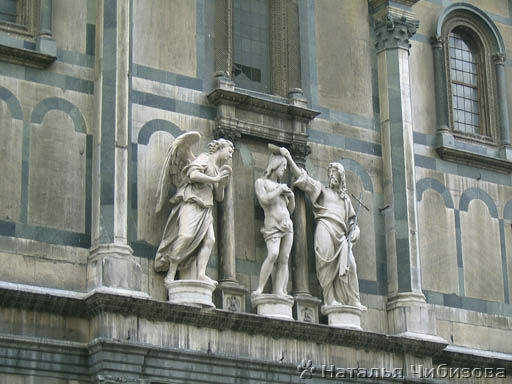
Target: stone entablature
<point>272,118</point>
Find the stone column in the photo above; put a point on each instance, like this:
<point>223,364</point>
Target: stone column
<point>499,62</point>
<point>230,294</point>
<point>407,310</point>
<point>440,84</point>
<point>45,42</point>
<point>111,263</point>
<point>306,306</point>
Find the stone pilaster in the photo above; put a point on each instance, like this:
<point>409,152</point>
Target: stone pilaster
<point>407,310</point>
<point>111,263</point>
<point>45,43</point>
<point>230,294</point>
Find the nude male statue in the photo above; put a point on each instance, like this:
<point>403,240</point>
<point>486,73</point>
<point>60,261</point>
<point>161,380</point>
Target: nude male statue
<point>278,202</point>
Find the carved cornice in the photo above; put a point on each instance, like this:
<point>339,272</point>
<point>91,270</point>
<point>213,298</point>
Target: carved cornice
<point>25,57</point>
<point>270,105</point>
<point>271,118</point>
<point>153,310</point>
<point>377,3</point>
<point>394,32</point>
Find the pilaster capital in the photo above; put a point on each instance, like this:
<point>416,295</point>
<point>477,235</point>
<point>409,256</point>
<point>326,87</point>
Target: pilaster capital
<point>299,152</point>
<point>437,42</point>
<point>225,132</point>
<point>394,31</point>
<point>499,58</point>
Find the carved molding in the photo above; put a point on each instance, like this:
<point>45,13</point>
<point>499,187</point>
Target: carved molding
<point>499,58</point>
<point>453,149</point>
<point>377,3</point>
<point>300,151</point>
<point>437,42</point>
<point>394,32</point>
<point>98,303</point>
<point>25,57</point>
<point>285,121</point>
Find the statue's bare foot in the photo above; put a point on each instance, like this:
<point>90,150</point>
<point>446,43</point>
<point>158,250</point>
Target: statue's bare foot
<point>334,302</point>
<point>360,306</point>
<point>206,279</point>
<point>257,292</point>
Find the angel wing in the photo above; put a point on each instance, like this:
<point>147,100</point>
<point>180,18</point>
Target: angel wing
<point>178,156</point>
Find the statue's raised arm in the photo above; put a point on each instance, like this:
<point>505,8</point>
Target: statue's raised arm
<point>336,230</point>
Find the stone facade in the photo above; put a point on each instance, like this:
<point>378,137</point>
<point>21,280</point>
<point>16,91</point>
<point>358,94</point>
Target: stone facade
<point>93,93</point>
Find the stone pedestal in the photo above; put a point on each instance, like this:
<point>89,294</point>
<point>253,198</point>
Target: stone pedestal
<point>231,296</point>
<point>113,266</point>
<point>273,306</point>
<point>191,292</point>
<point>344,316</point>
<point>306,308</point>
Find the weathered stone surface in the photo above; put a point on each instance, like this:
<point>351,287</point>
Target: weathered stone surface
<point>343,37</point>
<point>176,20</point>
<point>11,136</point>
<point>480,233</point>
<point>56,186</point>
<point>438,250</point>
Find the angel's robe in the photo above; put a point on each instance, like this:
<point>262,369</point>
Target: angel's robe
<point>189,220</point>
<point>335,264</point>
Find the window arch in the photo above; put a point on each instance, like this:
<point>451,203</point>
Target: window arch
<point>472,110</point>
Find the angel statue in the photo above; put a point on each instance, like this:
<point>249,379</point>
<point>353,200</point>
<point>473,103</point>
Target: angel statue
<point>188,237</point>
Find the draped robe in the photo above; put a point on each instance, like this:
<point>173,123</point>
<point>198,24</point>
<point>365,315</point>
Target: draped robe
<point>335,264</point>
<point>189,220</point>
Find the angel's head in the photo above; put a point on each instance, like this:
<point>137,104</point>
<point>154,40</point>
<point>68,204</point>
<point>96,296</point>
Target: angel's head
<point>222,148</point>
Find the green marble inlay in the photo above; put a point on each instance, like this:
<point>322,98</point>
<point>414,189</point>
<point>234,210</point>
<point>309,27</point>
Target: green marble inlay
<point>12,102</point>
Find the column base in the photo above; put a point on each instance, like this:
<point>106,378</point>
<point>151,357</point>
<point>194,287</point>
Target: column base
<point>231,296</point>
<point>409,316</point>
<point>344,316</point>
<point>306,308</point>
<point>273,306</point>
<point>196,293</point>
<point>113,266</point>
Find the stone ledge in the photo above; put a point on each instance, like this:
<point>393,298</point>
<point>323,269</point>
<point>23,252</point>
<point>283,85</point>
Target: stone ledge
<point>452,149</point>
<point>472,358</point>
<point>90,305</point>
<point>25,57</point>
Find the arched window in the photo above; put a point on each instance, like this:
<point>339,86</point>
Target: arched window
<point>471,97</point>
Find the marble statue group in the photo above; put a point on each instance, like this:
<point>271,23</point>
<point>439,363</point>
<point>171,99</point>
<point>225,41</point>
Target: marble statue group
<point>188,237</point>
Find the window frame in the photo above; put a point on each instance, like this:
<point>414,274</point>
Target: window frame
<point>486,80</point>
<point>492,152</point>
<point>285,65</point>
<point>29,41</point>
